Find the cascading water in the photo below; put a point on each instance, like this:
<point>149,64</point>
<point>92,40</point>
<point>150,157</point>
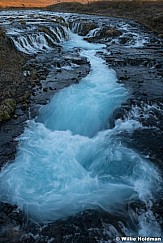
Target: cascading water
<point>86,107</point>
<point>69,159</point>
<point>44,40</point>
<point>36,35</point>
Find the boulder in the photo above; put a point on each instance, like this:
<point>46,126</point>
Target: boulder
<point>86,27</point>
<point>82,28</point>
<point>109,32</point>
<point>105,32</point>
<point>7,109</point>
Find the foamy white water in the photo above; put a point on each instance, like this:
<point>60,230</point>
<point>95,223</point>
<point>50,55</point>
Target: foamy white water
<point>85,108</point>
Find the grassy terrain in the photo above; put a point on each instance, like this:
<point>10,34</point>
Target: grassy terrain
<point>11,62</point>
<point>27,3</point>
<point>12,83</point>
<point>148,13</point>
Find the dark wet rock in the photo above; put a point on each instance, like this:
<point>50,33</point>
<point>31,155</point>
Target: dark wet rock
<point>82,27</point>
<point>150,143</point>
<point>106,33</point>
<point>124,40</point>
<point>86,28</point>
<point>109,32</point>
<point>139,70</point>
<point>11,221</point>
<point>9,130</point>
<point>79,61</point>
<point>88,226</point>
<point>158,209</point>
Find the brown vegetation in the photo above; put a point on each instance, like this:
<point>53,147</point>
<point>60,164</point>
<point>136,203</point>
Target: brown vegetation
<point>31,3</point>
<point>11,76</point>
<point>149,13</point>
<point>27,3</point>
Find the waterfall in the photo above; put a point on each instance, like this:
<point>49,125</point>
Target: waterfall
<point>44,40</point>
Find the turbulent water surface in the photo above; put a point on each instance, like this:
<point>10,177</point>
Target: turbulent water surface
<point>70,158</point>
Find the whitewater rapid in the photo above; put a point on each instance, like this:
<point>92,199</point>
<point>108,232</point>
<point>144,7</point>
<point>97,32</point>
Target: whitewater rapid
<point>70,159</point>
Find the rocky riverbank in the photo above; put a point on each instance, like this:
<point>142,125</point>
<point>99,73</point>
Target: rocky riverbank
<point>29,83</point>
<point>13,94</point>
<point>24,88</point>
<point>139,68</point>
<point>148,13</point>
<point>141,71</point>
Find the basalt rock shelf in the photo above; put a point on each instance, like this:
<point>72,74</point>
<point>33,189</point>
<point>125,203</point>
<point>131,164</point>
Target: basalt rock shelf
<point>88,166</point>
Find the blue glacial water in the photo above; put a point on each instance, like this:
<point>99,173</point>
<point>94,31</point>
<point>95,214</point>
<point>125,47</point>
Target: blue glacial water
<point>69,159</point>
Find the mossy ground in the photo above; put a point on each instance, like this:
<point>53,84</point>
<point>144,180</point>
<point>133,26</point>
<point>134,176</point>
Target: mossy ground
<point>12,84</point>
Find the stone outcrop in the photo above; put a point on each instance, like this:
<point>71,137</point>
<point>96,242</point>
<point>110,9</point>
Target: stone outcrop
<point>7,109</point>
<point>81,27</point>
